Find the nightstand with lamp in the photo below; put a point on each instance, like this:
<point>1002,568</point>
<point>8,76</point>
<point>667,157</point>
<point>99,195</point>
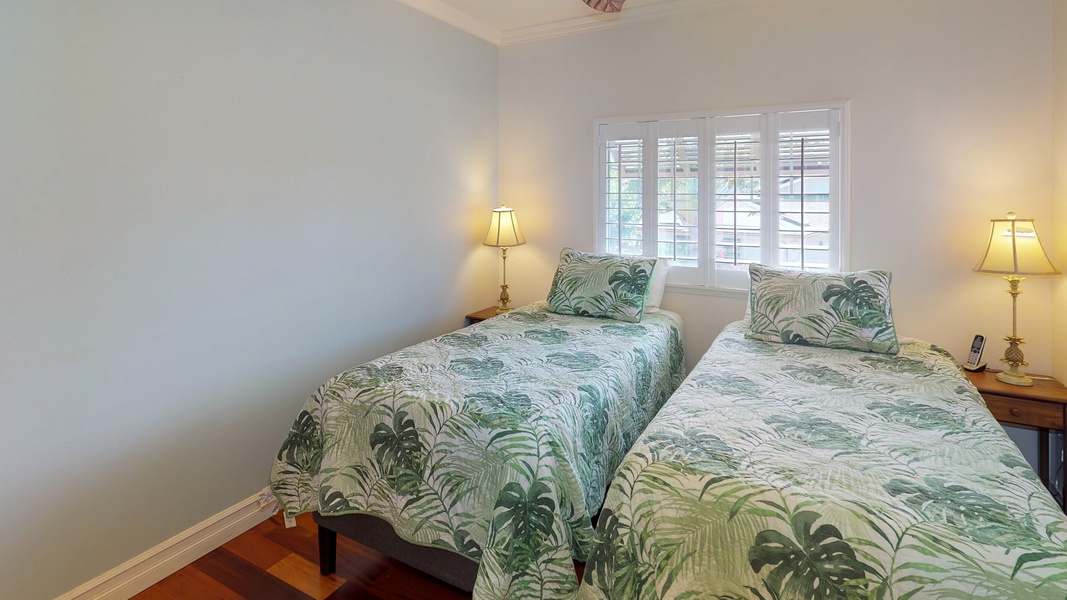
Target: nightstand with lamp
<point>503,233</point>
<point>1014,250</point>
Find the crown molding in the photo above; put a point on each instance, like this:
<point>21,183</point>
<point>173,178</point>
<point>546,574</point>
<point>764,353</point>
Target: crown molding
<point>456,18</point>
<point>520,35</point>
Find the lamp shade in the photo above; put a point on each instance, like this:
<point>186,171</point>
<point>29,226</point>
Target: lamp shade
<point>504,229</point>
<point>1014,249</point>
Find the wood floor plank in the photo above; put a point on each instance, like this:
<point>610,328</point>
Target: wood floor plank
<point>304,576</point>
<point>353,591</point>
<point>191,582</point>
<point>156,592</point>
<point>245,578</point>
<point>255,547</point>
<point>256,565</point>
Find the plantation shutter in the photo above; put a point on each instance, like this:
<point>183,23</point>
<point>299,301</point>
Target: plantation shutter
<point>738,198</point>
<point>678,192</point>
<point>807,169</point>
<point>622,188</point>
<point>716,192</point>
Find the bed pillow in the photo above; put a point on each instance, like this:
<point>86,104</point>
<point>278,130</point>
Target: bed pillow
<point>833,310</point>
<point>658,284</point>
<point>601,285</point>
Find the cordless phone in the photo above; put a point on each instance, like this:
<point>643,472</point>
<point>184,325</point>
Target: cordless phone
<point>974,358</point>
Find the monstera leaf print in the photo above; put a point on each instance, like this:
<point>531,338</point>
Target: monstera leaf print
<point>399,453</point>
<point>592,405</point>
<point>459,340</point>
<point>816,431</point>
<point>857,302</point>
<point>695,450</point>
<point>466,545</point>
<point>818,375</point>
<point>600,285</point>
<point>761,479</point>
<point>917,415</point>
<point>583,361</point>
<point>478,368</point>
<point>612,565</point>
<point>816,564</point>
<point>850,311</point>
<point>975,514</point>
<point>373,375</point>
<point>548,336</point>
<point>895,364</point>
<point>500,411</point>
<point>479,443</point>
<point>333,502</point>
<point>789,336</point>
<point>529,515</point>
<point>632,281</point>
<point>301,448</point>
<point>623,330</point>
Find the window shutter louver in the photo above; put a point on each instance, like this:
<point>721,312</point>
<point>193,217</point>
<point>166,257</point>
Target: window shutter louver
<point>717,192</point>
<point>622,148</point>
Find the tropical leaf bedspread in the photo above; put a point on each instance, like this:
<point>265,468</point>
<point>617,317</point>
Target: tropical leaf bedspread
<point>785,472</point>
<point>496,442</point>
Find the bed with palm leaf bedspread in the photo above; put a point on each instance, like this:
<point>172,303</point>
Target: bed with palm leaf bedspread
<point>787,471</point>
<point>495,442</point>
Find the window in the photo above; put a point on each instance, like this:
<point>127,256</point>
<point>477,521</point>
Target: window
<point>715,192</point>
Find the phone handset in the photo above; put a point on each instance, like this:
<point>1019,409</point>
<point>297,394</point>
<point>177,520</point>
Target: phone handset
<point>974,359</point>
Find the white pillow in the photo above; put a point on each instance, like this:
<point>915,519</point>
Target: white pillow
<point>659,282</point>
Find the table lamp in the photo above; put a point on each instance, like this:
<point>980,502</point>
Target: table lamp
<point>504,233</point>
<point>1014,250</point>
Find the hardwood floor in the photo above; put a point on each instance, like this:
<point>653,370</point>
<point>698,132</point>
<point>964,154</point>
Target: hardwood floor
<point>270,562</point>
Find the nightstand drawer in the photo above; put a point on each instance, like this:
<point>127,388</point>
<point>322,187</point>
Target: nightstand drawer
<point>1025,412</point>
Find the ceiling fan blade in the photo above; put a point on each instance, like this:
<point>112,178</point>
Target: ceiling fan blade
<point>608,6</point>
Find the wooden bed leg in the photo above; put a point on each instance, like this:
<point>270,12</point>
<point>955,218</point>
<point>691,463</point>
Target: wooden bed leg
<point>327,551</point>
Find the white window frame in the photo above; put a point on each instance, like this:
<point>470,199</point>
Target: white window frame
<point>705,275</point>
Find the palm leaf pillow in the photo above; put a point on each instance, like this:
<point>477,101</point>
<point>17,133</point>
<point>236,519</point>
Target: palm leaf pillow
<point>601,285</point>
<point>833,310</point>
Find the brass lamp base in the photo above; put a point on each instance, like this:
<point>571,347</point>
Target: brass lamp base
<point>1013,357</point>
<point>1016,378</point>
<point>505,298</point>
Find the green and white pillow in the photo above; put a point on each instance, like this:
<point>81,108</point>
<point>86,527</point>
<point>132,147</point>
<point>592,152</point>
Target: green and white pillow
<point>601,285</point>
<point>833,310</point>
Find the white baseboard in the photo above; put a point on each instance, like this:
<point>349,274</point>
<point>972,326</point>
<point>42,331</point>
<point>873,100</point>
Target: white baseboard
<point>152,566</point>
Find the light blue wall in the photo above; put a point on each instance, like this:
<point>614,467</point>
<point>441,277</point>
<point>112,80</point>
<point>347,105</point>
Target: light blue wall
<point>206,209</point>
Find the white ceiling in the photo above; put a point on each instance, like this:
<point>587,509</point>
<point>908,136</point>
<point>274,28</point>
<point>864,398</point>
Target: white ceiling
<point>504,22</point>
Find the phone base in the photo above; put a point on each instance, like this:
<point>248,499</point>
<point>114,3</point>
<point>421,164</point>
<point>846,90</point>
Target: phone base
<point>976,368</point>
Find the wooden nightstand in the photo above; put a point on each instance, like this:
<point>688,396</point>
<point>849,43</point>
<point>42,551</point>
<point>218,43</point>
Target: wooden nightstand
<point>481,315</point>
<point>1044,406</point>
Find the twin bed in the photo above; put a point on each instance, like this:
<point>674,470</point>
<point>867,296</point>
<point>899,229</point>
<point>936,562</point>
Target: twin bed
<point>495,443</point>
<point>787,471</point>
<point>805,469</point>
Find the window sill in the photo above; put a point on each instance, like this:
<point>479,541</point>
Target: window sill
<point>706,290</point>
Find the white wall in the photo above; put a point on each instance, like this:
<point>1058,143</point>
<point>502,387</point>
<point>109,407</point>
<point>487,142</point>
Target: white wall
<point>951,106</point>
<point>206,209</point>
